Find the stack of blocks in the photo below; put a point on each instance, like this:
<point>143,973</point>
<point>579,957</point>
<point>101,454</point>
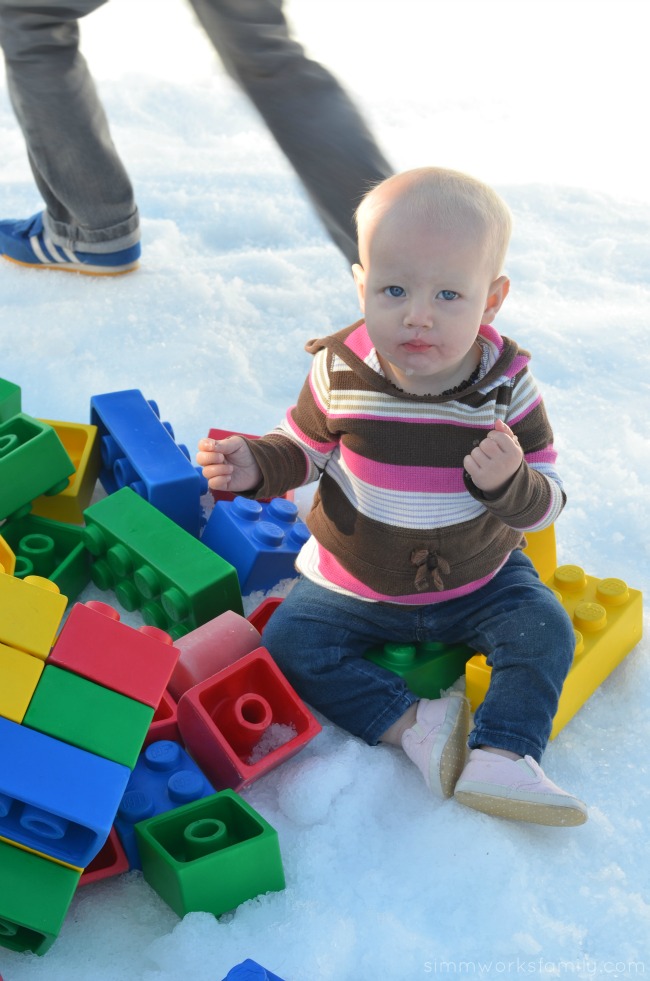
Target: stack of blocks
<point>74,714</point>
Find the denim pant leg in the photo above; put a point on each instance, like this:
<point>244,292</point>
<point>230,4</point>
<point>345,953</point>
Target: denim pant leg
<point>311,117</point>
<point>87,192</point>
<point>529,641</point>
<point>318,637</point>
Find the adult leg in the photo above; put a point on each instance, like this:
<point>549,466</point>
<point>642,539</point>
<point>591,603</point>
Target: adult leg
<point>311,117</point>
<point>87,192</point>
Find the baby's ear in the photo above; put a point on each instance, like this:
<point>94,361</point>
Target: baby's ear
<point>496,295</point>
<point>359,274</point>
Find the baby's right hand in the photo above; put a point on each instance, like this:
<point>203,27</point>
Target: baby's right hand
<point>228,464</point>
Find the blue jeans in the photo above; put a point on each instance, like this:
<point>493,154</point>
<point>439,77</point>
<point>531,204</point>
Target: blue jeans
<point>87,191</point>
<point>318,639</point>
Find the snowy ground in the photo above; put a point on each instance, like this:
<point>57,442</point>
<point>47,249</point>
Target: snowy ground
<point>546,101</point>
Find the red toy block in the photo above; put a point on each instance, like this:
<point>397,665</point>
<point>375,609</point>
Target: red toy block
<point>94,643</point>
<point>212,646</point>
<point>263,613</point>
<point>111,860</point>
<point>164,724</point>
<point>244,721</point>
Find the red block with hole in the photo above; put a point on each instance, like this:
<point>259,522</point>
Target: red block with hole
<point>263,613</point>
<point>244,721</point>
<point>94,643</point>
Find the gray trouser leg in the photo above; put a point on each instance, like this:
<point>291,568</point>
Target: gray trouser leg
<point>87,192</point>
<point>311,117</point>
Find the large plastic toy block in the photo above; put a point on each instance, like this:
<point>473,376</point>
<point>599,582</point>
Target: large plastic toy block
<point>19,675</point>
<point>227,495</point>
<point>428,668</point>
<point>138,451</point>
<point>542,551</point>
<point>9,399</point>
<point>164,777</point>
<point>51,550</point>
<point>31,610</point>
<point>260,540</point>
<point>608,622</point>
<point>110,861</point>
<point>34,899</point>
<point>33,461</point>
<point>211,855</point>
<point>164,724</point>
<point>95,644</point>
<point>81,443</point>
<point>155,566</point>
<point>244,721</point>
<point>212,646</point>
<point>263,613</point>
<point>250,970</point>
<point>69,707</point>
<point>54,798</point>
<point>7,556</point>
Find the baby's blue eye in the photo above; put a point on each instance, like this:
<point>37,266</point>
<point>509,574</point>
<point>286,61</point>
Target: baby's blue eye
<point>396,291</point>
<point>448,294</point>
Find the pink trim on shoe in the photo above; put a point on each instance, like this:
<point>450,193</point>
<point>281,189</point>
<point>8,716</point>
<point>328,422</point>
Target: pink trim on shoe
<point>518,790</point>
<point>437,741</point>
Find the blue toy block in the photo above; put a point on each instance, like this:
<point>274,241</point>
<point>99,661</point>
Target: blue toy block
<point>56,799</point>
<point>250,970</point>
<point>261,540</point>
<point>139,451</point>
<point>33,461</point>
<point>164,777</point>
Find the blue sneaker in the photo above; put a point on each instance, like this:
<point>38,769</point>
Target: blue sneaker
<point>28,244</point>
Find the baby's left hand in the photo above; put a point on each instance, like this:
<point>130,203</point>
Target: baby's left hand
<point>495,460</point>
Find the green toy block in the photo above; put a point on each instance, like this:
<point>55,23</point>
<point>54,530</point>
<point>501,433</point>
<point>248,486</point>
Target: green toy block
<point>34,899</point>
<point>427,668</point>
<point>210,855</point>
<point>155,566</point>
<point>33,461</point>
<point>9,399</point>
<point>77,711</point>
<point>49,549</point>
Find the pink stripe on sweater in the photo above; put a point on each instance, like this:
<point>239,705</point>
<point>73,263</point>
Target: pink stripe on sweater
<point>359,342</point>
<point>434,480</point>
<point>337,575</point>
<point>304,438</point>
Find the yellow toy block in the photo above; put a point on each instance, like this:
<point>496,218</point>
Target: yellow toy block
<point>19,675</point>
<point>81,443</point>
<point>31,610</point>
<point>542,552</point>
<point>608,622</point>
<point>7,557</point>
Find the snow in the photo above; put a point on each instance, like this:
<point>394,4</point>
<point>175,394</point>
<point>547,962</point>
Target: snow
<point>546,100</point>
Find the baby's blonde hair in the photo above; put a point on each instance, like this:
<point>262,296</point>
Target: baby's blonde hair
<point>447,198</point>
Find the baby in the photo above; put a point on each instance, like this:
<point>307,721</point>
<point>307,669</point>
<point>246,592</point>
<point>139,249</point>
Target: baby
<point>435,456</point>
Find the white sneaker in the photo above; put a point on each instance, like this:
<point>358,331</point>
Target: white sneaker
<point>437,743</point>
<point>516,789</point>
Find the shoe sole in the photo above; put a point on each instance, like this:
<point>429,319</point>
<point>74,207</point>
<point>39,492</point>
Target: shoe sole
<point>534,812</point>
<point>447,764</point>
<point>70,267</point>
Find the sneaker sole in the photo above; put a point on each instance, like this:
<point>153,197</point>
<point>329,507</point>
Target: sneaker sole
<point>446,766</point>
<point>534,812</point>
<point>85,270</point>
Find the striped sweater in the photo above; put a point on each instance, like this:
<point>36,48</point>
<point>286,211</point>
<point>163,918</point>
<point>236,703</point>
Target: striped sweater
<point>395,517</point>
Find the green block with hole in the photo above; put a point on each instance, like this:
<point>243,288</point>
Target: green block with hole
<point>84,714</point>
<point>33,461</point>
<point>427,668</point>
<point>34,899</point>
<point>211,855</point>
<point>155,566</point>
<point>49,549</point>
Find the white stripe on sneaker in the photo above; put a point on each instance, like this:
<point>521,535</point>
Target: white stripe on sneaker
<point>56,251</point>
<point>38,251</point>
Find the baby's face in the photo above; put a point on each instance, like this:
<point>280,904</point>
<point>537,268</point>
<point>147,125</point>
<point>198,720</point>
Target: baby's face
<point>424,294</point>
